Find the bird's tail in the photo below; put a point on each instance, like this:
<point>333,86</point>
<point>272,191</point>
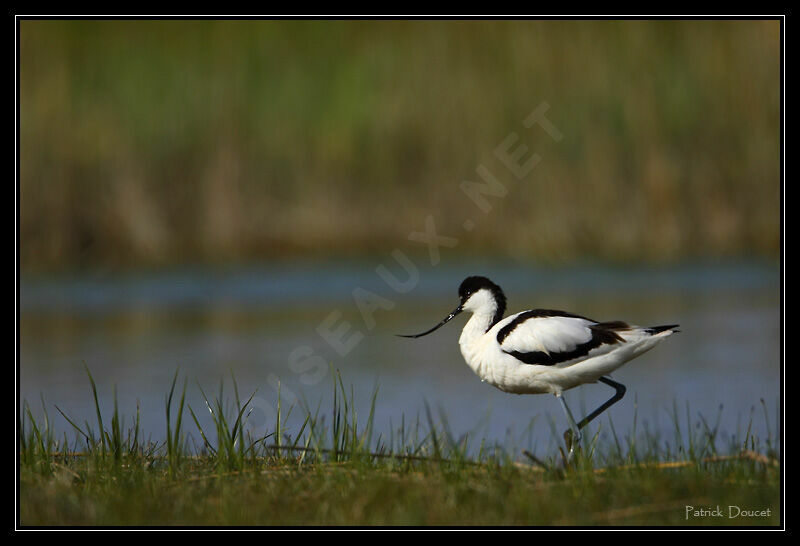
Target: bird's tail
<point>653,330</point>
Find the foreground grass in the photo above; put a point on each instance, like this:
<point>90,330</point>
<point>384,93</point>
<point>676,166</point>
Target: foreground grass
<point>338,475</point>
<point>420,494</point>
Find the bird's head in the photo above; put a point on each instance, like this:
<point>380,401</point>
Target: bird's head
<point>477,294</point>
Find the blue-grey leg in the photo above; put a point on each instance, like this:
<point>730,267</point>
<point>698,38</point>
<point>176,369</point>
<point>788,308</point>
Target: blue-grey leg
<point>575,438</point>
<point>573,432</point>
<point>619,389</point>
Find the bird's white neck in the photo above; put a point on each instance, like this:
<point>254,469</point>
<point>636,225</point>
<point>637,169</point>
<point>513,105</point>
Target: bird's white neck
<point>473,339</point>
<point>476,326</point>
<point>485,310</point>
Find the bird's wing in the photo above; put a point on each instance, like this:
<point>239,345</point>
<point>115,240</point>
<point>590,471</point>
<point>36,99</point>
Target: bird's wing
<point>548,338</point>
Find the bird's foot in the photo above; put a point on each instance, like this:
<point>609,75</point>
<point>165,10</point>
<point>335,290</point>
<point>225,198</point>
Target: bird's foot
<point>572,439</point>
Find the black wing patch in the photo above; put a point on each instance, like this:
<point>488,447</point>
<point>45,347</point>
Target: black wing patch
<point>602,333</point>
<point>533,313</point>
<point>652,330</point>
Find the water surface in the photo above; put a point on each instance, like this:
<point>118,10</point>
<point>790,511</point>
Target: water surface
<point>262,325</point>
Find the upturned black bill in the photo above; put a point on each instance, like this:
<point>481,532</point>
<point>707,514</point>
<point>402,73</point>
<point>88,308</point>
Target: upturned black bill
<point>447,319</point>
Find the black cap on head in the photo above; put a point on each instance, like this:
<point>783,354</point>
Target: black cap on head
<point>470,285</point>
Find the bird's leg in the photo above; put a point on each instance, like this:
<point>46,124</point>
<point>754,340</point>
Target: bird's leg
<point>620,392</point>
<point>619,387</point>
<point>574,428</point>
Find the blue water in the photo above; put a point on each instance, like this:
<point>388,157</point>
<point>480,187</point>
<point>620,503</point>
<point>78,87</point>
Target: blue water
<point>262,324</point>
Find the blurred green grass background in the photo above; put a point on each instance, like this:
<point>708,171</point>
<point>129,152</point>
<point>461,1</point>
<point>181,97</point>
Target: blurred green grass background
<point>163,142</point>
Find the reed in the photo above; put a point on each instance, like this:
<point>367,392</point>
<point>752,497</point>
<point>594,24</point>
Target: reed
<point>157,142</point>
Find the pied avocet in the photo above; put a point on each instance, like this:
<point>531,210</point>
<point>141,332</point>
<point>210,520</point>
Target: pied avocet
<point>545,351</point>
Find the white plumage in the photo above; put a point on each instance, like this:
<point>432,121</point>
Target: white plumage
<point>548,334</point>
